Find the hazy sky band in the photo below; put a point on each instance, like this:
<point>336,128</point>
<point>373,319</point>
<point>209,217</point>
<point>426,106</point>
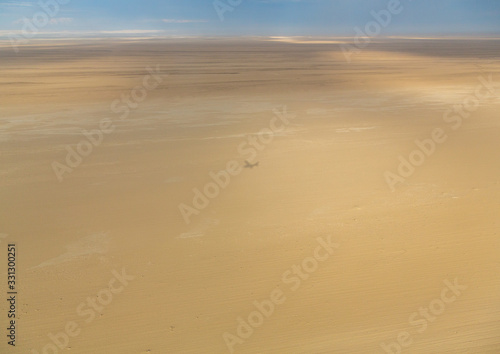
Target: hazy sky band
<point>258,17</point>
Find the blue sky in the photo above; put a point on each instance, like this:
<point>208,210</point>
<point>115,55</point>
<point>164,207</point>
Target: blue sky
<point>254,17</point>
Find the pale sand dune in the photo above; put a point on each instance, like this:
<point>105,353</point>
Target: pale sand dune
<point>323,175</point>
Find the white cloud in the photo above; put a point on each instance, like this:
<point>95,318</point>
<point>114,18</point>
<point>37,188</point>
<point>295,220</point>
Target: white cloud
<point>131,31</point>
<point>17,4</point>
<point>52,21</point>
<point>61,20</point>
<point>182,21</point>
<point>4,34</point>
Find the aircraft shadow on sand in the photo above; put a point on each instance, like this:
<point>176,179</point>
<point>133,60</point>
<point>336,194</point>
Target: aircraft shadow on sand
<point>249,165</point>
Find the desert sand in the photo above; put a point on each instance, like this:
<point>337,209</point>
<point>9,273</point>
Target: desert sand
<point>411,266</point>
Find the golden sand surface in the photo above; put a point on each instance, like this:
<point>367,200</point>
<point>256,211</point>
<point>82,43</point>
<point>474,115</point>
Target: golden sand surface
<point>370,222</point>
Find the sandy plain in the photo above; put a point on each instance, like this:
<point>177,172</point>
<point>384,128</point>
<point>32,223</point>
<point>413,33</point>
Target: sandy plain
<point>322,176</point>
